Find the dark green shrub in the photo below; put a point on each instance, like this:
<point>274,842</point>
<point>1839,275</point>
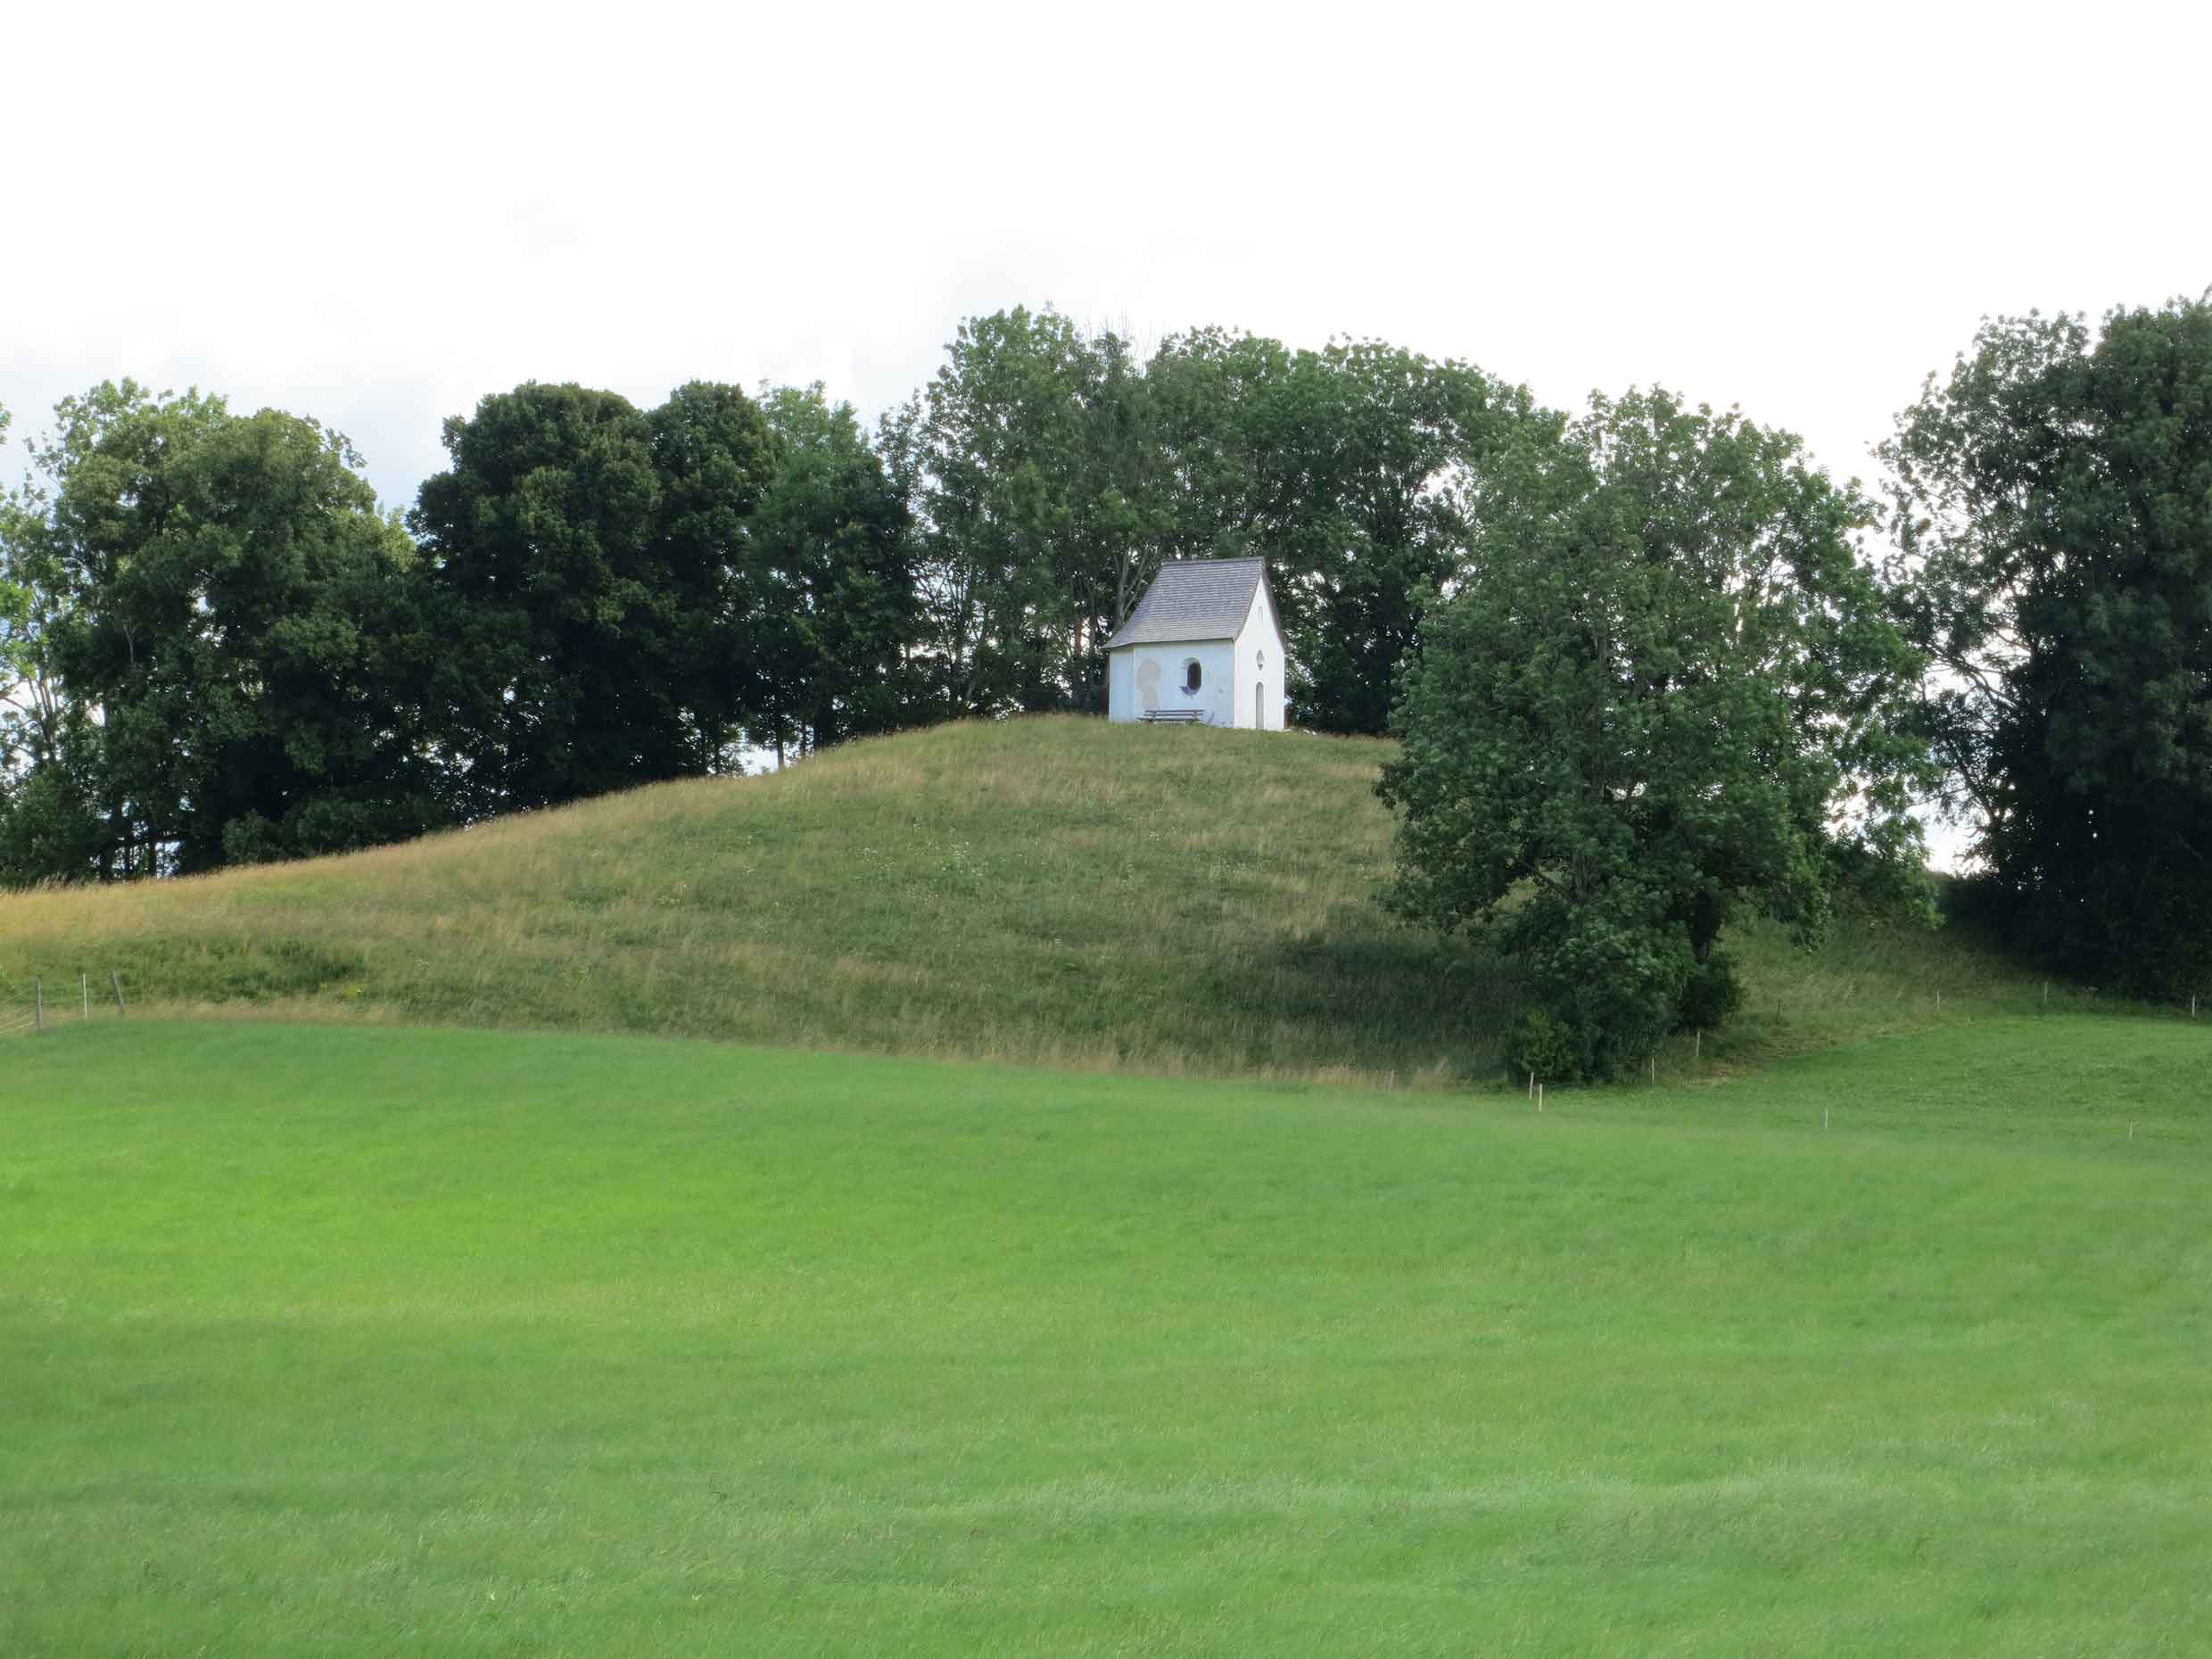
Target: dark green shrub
<point>1543,1046</point>
<point>1712,996</point>
<point>1608,973</point>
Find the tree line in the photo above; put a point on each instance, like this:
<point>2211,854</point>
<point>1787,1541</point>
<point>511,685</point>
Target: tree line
<point>225,651</point>
<point>1649,663</point>
<point>220,648</point>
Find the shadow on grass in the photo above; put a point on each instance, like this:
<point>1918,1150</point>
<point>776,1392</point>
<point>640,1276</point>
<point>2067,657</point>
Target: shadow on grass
<point>206,968</point>
<point>1398,999</point>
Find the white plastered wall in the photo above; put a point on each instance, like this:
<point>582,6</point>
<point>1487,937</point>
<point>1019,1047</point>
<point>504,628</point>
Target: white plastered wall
<point>1259,663</point>
<point>1141,677</point>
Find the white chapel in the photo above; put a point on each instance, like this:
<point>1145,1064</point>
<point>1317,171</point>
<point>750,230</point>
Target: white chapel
<point>1204,644</point>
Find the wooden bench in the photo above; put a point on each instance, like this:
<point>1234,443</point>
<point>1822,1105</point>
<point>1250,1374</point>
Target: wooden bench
<point>1173,716</point>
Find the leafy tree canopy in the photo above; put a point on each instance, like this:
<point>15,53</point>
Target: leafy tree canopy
<point>224,592</point>
<point>2054,510</point>
<point>1665,686</point>
<point>1050,474</point>
<point>1351,469</point>
<point>582,559</point>
<point>15,596</point>
<point>1024,463</point>
<point>831,603</point>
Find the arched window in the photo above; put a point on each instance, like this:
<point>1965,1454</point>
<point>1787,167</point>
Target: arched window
<point>1191,675</point>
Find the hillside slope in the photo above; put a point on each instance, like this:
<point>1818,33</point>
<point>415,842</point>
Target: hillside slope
<point>1054,890</point>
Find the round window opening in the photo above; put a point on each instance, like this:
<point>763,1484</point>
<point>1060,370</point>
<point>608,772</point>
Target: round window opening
<point>1191,675</point>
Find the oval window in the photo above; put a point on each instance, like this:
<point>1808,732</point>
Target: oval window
<point>1191,676</point>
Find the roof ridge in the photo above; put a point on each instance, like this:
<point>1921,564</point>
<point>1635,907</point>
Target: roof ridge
<point>1194,598</point>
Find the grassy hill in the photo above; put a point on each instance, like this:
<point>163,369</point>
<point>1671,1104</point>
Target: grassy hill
<point>1054,890</point>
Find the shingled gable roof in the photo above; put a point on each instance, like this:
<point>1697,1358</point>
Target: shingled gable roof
<point>1194,598</point>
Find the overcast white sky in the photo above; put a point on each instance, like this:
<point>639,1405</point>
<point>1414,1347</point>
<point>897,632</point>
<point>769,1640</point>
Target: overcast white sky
<point>377,215</point>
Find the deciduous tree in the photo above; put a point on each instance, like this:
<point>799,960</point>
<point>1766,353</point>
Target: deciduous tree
<point>584,557</point>
<point>713,455</point>
<point>225,614</point>
<point>1667,686</point>
<point>1023,462</point>
<point>1351,469</point>
<point>2054,507</point>
<point>830,594</point>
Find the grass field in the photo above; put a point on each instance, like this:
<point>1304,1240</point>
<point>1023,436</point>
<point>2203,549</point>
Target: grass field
<point>331,1342</point>
<point>1054,891</point>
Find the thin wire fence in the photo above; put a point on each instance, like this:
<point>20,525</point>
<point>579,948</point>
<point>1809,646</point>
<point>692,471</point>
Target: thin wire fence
<point>33,1007</point>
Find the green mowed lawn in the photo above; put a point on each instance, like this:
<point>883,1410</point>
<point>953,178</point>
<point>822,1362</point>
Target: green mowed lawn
<point>379,1341</point>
